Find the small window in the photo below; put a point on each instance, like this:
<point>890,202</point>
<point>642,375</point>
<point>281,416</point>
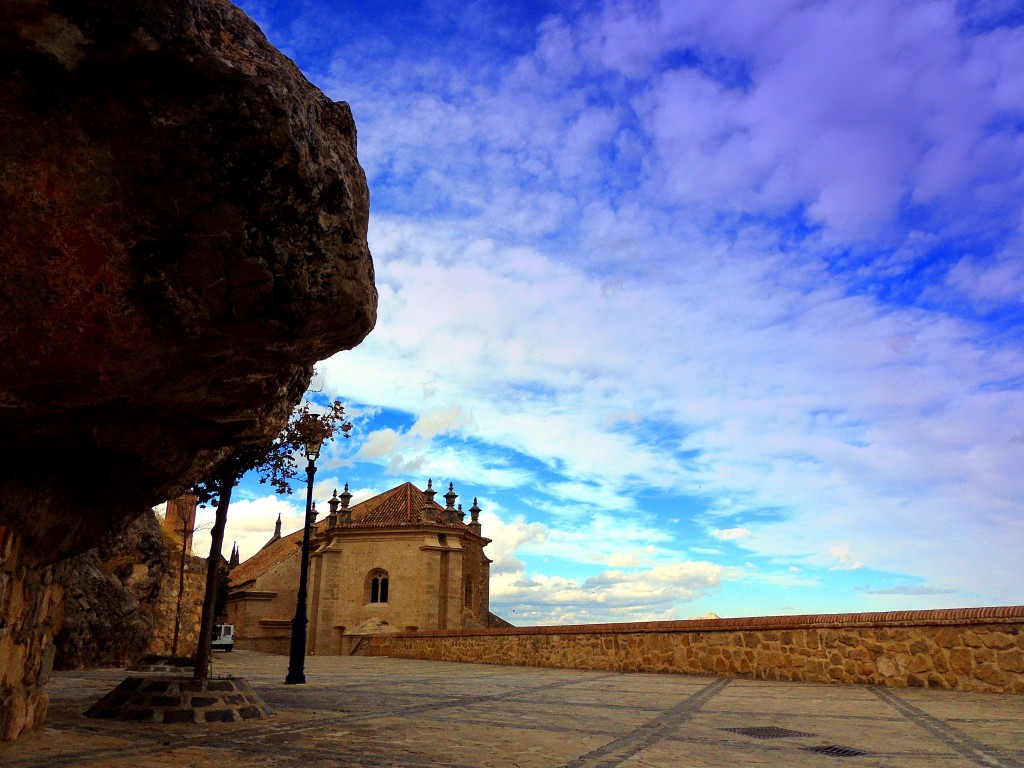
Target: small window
<point>469,594</point>
<point>377,586</point>
<point>379,589</point>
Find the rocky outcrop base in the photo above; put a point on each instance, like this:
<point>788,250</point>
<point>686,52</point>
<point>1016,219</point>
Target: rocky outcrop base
<point>121,599</point>
<point>165,699</point>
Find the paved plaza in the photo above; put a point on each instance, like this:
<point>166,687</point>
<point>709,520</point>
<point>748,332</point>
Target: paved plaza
<point>357,711</point>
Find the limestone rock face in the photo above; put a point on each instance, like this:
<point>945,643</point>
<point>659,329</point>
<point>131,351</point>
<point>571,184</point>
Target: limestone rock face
<point>103,625</point>
<point>183,235</point>
<point>110,594</point>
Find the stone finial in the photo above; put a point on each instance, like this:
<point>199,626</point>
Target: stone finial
<point>462,515</point>
<point>312,513</point>
<point>450,497</point>
<point>277,527</point>
<point>474,520</point>
<point>234,556</point>
<point>345,513</point>
<point>332,516</point>
<point>427,512</point>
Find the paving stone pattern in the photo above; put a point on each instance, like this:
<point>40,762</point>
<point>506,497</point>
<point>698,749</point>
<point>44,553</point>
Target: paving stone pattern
<point>380,712</point>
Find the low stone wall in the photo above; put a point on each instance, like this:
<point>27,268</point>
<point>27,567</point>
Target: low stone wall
<point>31,609</point>
<point>348,645</point>
<point>974,649</point>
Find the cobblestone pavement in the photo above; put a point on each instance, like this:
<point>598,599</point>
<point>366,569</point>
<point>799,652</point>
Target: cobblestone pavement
<point>356,711</point>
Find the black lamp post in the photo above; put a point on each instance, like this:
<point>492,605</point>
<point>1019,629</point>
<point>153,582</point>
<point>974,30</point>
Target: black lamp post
<point>297,655</point>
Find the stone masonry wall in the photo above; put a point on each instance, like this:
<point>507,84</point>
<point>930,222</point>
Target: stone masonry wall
<point>163,609</point>
<point>31,609</point>
<point>279,645</point>
<point>974,649</point>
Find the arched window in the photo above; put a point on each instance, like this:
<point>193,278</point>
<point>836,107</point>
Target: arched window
<point>469,593</point>
<point>377,586</point>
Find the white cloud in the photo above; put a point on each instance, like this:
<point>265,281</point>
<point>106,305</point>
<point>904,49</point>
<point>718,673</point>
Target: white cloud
<point>632,558</point>
<point>991,283</point>
<point>730,534</point>
<point>847,561</point>
<point>632,248</point>
<point>791,395</point>
<point>909,590</point>
<point>655,587</point>
<point>506,538</point>
<point>250,523</point>
<point>841,106</point>
<point>440,421</point>
<point>379,443</point>
<point>613,595</point>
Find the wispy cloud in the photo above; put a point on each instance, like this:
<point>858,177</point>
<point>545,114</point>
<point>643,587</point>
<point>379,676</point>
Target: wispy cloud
<point>758,257</point>
<point>613,595</point>
<point>730,534</point>
<point>914,591</point>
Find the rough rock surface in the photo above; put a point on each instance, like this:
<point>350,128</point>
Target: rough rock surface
<point>183,236</point>
<point>110,593</point>
<point>103,626</point>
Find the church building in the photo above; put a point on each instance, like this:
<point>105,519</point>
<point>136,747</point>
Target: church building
<point>396,562</point>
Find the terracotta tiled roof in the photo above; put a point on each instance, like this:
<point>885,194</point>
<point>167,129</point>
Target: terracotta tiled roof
<point>399,506</point>
<point>272,554</point>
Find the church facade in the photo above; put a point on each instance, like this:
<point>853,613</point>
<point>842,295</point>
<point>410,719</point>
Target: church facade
<point>398,561</point>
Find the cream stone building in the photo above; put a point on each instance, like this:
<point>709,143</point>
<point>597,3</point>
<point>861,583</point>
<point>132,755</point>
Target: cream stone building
<point>398,561</point>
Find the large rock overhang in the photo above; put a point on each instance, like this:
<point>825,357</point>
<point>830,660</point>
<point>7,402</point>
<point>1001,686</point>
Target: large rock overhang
<point>184,235</point>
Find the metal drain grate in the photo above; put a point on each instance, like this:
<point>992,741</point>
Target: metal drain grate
<point>768,732</point>
<point>836,751</point>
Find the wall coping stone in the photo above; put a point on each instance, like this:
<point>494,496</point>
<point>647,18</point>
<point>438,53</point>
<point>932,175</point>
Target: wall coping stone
<point>1010,614</point>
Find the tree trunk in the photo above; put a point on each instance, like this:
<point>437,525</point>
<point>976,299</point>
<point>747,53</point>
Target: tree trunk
<point>181,589</point>
<point>227,482</point>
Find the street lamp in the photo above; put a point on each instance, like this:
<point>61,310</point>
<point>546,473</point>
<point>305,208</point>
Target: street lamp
<point>297,655</point>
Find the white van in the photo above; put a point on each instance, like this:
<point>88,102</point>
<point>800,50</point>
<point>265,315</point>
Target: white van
<point>223,636</point>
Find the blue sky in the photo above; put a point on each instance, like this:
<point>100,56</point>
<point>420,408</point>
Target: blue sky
<point>716,306</point>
